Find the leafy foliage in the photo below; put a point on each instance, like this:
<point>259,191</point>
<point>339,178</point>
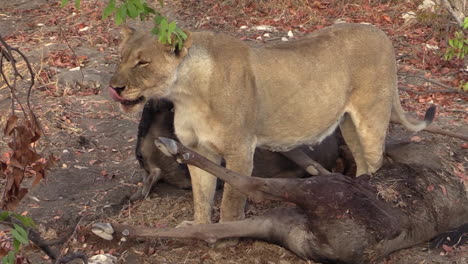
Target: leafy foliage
<point>168,33</point>
<point>458,46</point>
<point>18,233</point>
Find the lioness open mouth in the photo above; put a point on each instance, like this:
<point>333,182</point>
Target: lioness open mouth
<point>113,93</point>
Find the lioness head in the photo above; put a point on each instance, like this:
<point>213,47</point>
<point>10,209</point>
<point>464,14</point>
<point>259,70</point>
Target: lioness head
<point>146,70</point>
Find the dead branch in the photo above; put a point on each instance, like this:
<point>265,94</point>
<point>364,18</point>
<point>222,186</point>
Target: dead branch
<point>452,12</point>
<point>59,258</point>
<point>440,131</point>
<point>448,88</point>
<point>428,91</point>
<point>44,245</point>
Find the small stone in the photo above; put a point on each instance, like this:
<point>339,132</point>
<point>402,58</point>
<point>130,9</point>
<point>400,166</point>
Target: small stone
<point>409,17</point>
<point>290,34</point>
<point>432,47</point>
<point>427,5</point>
<point>284,39</point>
<point>83,29</point>
<point>340,21</point>
<point>102,259</point>
<point>266,35</point>
<point>265,28</point>
<point>243,27</point>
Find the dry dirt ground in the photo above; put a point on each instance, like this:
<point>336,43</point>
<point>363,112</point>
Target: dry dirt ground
<point>94,142</point>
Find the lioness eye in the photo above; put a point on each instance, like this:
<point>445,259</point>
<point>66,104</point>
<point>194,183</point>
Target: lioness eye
<point>142,63</point>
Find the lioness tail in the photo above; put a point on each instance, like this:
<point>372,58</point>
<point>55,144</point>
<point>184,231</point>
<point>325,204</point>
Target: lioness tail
<point>399,114</point>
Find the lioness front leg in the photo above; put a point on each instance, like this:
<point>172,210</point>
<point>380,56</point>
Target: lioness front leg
<point>233,203</point>
<point>203,187</point>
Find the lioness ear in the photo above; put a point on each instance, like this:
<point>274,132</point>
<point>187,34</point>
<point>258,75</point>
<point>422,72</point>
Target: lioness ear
<point>187,44</point>
<point>126,32</point>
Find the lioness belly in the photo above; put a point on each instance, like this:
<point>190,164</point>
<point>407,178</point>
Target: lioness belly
<point>286,141</point>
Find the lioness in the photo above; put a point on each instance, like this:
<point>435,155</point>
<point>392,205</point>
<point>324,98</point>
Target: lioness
<point>157,120</point>
<point>230,98</point>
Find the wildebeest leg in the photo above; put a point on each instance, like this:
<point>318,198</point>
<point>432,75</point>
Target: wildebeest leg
<point>153,176</point>
<point>300,158</point>
<point>283,226</point>
<point>256,188</point>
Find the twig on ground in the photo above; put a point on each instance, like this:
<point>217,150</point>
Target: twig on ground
<point>449,88</point>
<point>428,91</point>
<point>449,7</point>
<point>70,48</point>
<point>436,130</point>
<point>44,245</point>
<point>59,257</point>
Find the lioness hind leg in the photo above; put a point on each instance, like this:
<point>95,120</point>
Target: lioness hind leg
<point>351,137</point>
<point>371,127</point>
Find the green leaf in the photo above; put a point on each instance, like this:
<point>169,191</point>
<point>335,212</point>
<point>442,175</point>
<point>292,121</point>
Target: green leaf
<point>4,215</point>
<point>118,18</point>
<point>148,9</point>
<point>77,4</point>
<point>162,37</point>
<point>181,33</point>
<point>451,42</point>
<point>63,3</point>
<point>172,26</point>
<point>110,8</point>
<point>121,14</point>
<point>21,231</point>
<point>16,245</point>
<point>132,10</point>
<point>158,19</point>
<point>138,4</point>
<point>25,220</point>
<point>163,26</point>
<point>465,87</point>
<point>155,31</point>
<point>10,258</point>
<point>180,44</point>
<point>16,235</point>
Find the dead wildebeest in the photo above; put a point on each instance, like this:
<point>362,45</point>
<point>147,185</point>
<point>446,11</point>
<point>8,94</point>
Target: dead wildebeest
<point>337,219</point>
<point>157,120</point>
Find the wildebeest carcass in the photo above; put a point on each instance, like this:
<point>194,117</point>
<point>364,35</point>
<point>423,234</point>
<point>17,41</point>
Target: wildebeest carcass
<point>337,219</point>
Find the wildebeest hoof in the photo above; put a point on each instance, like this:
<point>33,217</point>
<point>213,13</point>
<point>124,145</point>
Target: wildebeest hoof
<point>312,170</point>
<point>103,230</point>
<point>186,224</point>
<point>138,195</point>
<point>231,242</point>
